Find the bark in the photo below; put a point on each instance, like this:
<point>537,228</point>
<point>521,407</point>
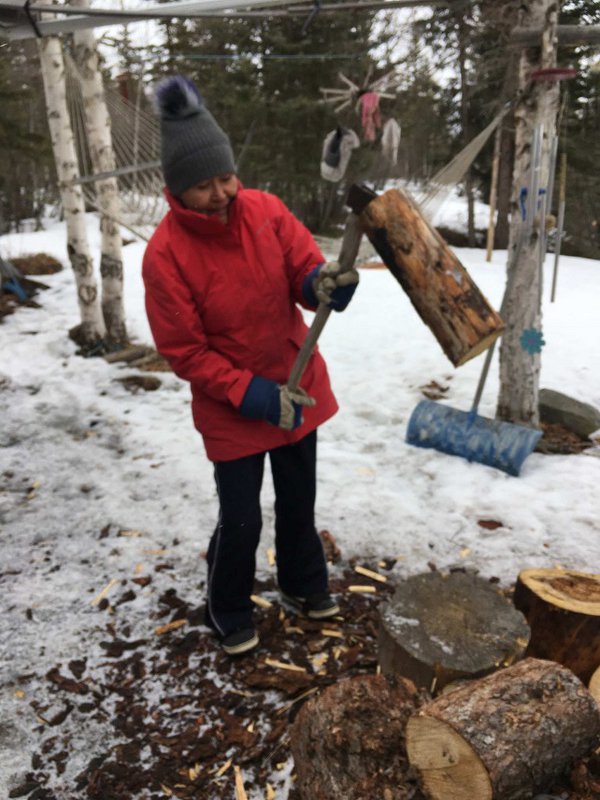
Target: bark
<point>507,154</point>
<point>563,611</point>
<point>506,736</point>
<point>439,628</point>
<point>53,73</point>
<point>97,123</point>
<point>348,743</point>
<point>439,287</point>
<point>520,369</point>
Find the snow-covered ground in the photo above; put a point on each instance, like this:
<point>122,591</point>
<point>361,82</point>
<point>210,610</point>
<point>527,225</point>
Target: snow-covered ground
<point>78,453</point>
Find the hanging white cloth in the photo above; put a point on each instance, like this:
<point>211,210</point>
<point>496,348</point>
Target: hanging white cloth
<point>390,140</point>
<point>337,149</point>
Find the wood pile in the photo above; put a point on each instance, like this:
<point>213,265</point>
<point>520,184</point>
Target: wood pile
<point>483,718</point>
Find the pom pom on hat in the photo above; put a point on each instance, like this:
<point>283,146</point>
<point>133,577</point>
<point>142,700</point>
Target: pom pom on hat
<point>193,146</point>
<point>177,97</point>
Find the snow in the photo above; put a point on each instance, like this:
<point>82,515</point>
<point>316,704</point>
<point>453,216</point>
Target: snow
<point>79,453</point>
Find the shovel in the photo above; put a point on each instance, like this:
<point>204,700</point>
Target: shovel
<point>347,257</point>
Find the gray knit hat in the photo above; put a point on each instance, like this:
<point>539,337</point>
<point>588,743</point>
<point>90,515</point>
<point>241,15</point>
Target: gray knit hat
<point>193,146</point>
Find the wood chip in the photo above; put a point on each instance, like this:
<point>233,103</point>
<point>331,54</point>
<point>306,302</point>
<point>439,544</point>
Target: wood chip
<point>271,662</point>
<point>270,793</point>
<point>270,556</point>
<point>370,574</point>
<point>293,629</point>
<point>99,597</point>
<point>240,791</point>
<point>260,601</point>
<point>19,693</point>
<point>170,626</point>
<point>223,769</point>
<point>365,589</point>
<point>332,632</point>
<point>155,551</point>
<point>250,728</point>
<point>194,771</point>
<point>130,533</point>
<point>166,790</point>
<point>465,552</point>
<point>286,707</point>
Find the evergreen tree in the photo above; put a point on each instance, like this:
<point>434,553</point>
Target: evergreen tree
<point>261,78</point>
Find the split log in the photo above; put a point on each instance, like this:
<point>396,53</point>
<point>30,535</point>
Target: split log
<point>439,628</point>
<point>503,737</point>
<point>348,743</point>
<point>563,610</point>
<point>594,685</point>
<point>439,287</point>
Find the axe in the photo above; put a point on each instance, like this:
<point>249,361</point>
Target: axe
<point>348,253</point>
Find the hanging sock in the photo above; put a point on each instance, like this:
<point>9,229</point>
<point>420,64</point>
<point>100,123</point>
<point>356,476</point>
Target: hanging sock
<point>370,116</point>
<point>337,149</point>
<point>390,141</point>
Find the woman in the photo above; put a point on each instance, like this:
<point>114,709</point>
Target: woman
<point>224,272</point>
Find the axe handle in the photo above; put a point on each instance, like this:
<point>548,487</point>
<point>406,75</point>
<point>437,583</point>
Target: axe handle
<point>347,257</point>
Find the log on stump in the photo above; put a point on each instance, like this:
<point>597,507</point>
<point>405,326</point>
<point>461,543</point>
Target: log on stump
<point>505,736</point>
<point>348,743</point>
<point>438,628</point>
<point>439,287</point>
<point>563,610</point>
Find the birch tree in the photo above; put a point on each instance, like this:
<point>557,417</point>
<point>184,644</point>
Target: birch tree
<point>91,331</point>
<point>520,359</point>
<point>97,124</point>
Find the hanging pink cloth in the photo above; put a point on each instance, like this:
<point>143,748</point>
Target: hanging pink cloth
<point>370,116</point>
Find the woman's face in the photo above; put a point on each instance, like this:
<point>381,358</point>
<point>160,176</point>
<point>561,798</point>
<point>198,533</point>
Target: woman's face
<point>211,196</point>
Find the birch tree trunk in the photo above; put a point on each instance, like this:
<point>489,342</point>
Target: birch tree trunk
<point>97,123</point>
<point>92,329</point>
<point>520,369</point>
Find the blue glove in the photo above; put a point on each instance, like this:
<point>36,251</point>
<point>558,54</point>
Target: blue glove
<point>279,405</point>
<point>326,284</point>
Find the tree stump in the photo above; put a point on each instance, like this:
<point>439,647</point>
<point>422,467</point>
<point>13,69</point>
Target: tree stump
<point>563,611</point>
<point>439,287</point>
<point>503,737</point>
<point>438,628</point>
<point>348,743</point>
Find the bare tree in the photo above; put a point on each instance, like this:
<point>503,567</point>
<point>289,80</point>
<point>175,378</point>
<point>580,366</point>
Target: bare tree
<point>97,124</point>
<point>537,109</point>
<point>91,331</point>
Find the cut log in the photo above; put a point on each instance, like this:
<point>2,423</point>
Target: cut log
<point>503,737</point>
<point>439,628</point>
<point>563,610</point>
<point>348,743</point>
<point>594,685</point>
<point>439,287</point>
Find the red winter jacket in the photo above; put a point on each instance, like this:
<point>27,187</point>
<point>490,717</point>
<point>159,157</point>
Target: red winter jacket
<point>221,302</point>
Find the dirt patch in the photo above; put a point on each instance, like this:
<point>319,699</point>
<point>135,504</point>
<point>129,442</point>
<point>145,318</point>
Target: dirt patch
<point>38,264</point>
<point>557,440</point>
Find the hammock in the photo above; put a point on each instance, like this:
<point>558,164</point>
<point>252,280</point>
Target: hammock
<point>136,144</point>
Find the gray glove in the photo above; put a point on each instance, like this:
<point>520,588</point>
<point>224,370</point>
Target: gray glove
<point>335,288</point>
<point>290,407</point>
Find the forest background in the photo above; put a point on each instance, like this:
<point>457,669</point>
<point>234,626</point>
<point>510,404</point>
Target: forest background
<point>261,77</point>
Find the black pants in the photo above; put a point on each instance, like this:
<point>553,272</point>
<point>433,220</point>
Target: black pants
<point>301,566</point>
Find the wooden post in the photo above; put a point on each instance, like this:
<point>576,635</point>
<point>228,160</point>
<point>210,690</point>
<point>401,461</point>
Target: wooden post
<point>507,736</point>
<point>439,287</point>
<point>563,611</point>
<point>493,194</point>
